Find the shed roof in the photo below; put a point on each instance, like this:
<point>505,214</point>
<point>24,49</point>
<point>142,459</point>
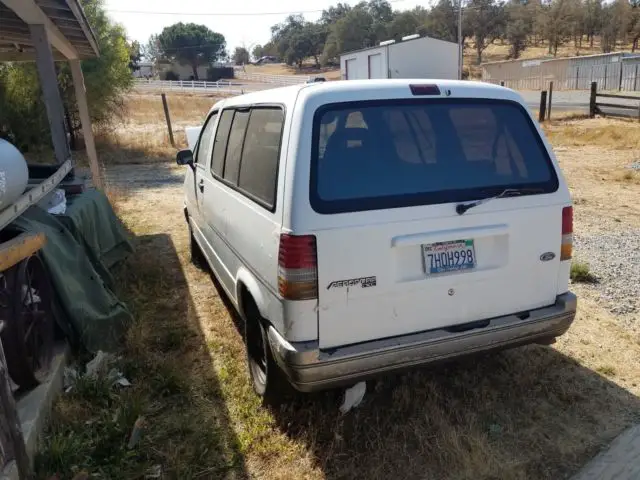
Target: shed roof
<point>68,30</point>
<point>394,43</point>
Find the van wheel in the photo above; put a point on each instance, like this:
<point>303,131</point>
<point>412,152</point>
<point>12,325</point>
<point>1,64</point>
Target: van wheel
<point>197,257</point>
<point>266,377</point>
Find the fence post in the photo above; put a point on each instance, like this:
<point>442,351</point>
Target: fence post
<point>635,78</point>
<point>605,76</point>
<point>166,114</point>
<point>543,106</point>
<point>577,76</point>
<point>592,99</point>
<point>550,97</point>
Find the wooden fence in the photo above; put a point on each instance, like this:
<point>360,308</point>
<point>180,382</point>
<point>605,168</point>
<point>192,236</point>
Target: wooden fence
<point>614,105</point>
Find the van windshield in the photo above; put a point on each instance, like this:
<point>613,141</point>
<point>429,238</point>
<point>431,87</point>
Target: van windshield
<point>389,154</point>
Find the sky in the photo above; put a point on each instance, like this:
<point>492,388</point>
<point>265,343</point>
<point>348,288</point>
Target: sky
<point>242,22</point>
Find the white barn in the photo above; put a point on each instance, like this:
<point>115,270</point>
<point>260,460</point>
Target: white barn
<point>413,57</point>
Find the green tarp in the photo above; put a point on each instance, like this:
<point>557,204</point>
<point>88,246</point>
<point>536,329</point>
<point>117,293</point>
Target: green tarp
<point>81,247</point>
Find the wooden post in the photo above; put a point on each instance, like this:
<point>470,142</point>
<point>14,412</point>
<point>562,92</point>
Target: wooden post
<point>605,77</point>
<point>50,91</point>
<point>166,114</point>
<point>11,422</point>
<point>635,79</point>
<point>85,120</point>
<point>543,106</point>
<point>592,99</point>
<point>577,76</point>
<point>550,97</point>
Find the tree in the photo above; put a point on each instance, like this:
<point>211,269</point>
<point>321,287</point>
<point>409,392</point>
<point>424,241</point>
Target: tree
<point>192,44</point>
<point>135,55</point>
<point>407,23</point>
<point>634,26</point>
<point>617,17</point>
<point>485,20</point>
<point>351,32</point>
<point>558,21</point>
<point>241,56</point>
<point>107,78</point>
<point>257,52</point>
<point>592,19</point>
<point>151,50</point>
<point>519,26</point>
<point>442,21</point>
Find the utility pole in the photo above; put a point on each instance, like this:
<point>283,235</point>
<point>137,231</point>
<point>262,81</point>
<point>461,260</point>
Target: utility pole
<point>460,45</point>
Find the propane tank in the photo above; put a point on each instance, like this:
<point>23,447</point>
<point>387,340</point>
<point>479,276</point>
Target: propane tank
<point>14,174</point>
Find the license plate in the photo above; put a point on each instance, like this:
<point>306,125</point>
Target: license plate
<point>443,257</point>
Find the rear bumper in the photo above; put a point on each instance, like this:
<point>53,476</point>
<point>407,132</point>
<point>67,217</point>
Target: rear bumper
<point>310,368</point>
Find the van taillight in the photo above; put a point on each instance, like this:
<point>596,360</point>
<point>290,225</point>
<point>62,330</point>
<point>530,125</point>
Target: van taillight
<point>567,233</point>
<point>298,267</point>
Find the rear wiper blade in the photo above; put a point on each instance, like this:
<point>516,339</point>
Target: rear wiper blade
<point>461,208</point>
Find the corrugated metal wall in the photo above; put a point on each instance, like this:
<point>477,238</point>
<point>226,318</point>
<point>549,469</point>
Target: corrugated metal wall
<point>611,72</point>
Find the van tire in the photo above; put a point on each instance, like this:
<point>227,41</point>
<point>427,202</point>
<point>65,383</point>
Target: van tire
<point>267,379</point>
<point>195,252</point>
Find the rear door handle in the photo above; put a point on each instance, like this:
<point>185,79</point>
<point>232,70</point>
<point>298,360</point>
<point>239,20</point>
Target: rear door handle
<point>201,185</point>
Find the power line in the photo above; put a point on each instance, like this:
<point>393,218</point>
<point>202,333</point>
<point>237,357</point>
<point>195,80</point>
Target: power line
<point>222,14</point>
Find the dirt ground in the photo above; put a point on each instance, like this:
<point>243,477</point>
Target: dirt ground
<point>529,413</point>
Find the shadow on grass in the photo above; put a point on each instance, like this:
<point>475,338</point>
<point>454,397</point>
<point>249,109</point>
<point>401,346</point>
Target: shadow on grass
<point>525,413</point>
<point>187,429</point>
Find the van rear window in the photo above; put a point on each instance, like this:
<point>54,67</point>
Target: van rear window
<point>399,153</point>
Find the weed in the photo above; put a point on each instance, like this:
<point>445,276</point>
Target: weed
<point>581,272</point>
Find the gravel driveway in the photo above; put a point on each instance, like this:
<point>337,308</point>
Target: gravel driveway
<point>614,258</point>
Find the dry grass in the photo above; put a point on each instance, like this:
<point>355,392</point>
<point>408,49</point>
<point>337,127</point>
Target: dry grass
<point>533,412</point>
<point>613,134</point>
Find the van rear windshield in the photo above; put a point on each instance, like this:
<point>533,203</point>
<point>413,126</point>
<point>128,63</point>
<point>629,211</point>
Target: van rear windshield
<point>399,153</point>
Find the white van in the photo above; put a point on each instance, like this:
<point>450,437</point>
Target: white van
<point>361,227</point>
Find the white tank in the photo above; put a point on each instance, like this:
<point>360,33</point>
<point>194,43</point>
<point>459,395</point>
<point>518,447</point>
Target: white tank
<point>14,174</point>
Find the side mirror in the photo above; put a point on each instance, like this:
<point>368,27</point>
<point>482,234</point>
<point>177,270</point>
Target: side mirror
<point>185,157</point>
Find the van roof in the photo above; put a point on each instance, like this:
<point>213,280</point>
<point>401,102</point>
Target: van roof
<point>379,89</point>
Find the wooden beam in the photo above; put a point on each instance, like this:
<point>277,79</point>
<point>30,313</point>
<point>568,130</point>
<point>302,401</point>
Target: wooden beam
<point>85,121</point>
<point>26,55</point>
<point>30,13</point>
<point>76,8</point>
<point>49,85</point>
<point>11,422</point>
<point>19,248</point>
<point>52,4</point>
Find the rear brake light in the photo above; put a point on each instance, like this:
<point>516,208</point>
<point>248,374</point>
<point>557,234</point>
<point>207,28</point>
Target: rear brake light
<point>424,89</point>
<point>566,247</point>
<point>298,267</point>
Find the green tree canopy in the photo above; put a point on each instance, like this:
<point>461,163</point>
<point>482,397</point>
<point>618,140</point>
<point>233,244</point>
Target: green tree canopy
<point>23,118</point>
<point>192,44</point>
<point>240,56</point>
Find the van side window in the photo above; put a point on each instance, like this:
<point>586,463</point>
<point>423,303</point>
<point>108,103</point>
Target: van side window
<point>220,143</point>
<point>259,167</point>
<point>203,148</point>
<point>234,146</point>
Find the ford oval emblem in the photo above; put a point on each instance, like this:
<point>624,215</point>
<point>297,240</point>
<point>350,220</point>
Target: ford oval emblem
<point>545,257</point>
